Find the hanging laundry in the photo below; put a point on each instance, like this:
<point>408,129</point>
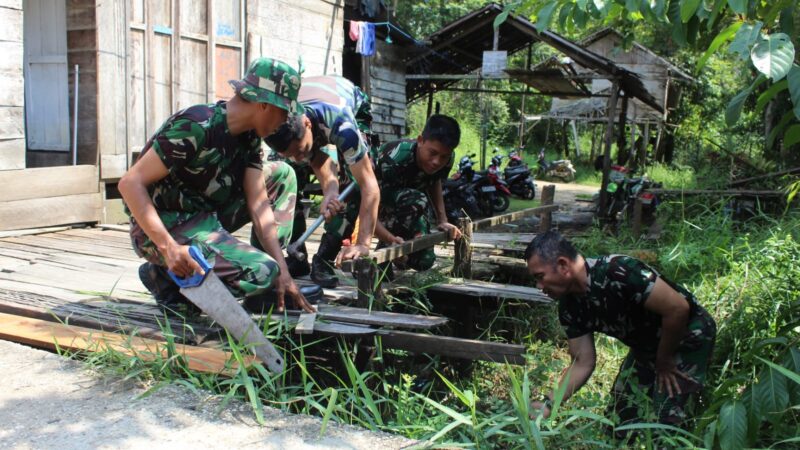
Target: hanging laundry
<point>366,40</point>
<point>355,30</point>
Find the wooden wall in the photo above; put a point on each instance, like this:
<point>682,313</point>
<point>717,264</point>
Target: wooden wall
<point>180,53</point>
<point>387,85</point>
<point>12,93</point>
<point>287,29</point>
<point>82,50</point>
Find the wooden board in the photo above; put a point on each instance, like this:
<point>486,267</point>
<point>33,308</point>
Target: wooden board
<point>485,289</point>
<point>378,318</point>
<point>50,335</point>
<point>43,212</point>
<point>47,182</point>
<point>453,347</point>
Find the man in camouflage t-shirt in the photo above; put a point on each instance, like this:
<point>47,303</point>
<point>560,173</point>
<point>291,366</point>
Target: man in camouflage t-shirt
<point>201,177</point>
<point>669,334</point>
<point>410,175</point>
<point>331,138</point>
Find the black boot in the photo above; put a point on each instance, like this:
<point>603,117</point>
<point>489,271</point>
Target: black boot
<point>296,267</point>
<point>322,264</point>
<point>166,293</point>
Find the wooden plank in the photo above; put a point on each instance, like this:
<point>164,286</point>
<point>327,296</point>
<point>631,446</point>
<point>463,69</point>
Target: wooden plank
<point>46,182</point>
<point>47,242</point>
<point>462,259</point>
<point>453,347</point>
<point>398,250</point>
<point>546,218</point>
<point>305,325</point>
<point>511,217</point>
<point>718,192</point>
<point>31,231</point>
<point>484,289</point>
<point>378,318</point>
<point>68,209</point>
<point>43,334</point>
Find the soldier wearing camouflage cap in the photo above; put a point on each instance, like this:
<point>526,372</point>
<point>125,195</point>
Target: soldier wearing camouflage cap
<point>201,177</point>
<point>670,335</point>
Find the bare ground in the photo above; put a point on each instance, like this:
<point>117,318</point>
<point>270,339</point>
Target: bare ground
<point>50,402</point>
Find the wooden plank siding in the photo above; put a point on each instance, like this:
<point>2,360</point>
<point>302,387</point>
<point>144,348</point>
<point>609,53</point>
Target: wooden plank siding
<point>12,110</point>
<point>388,91</point>
<point>287,29</point>
<point>181,53</point>
<point>48,196</point>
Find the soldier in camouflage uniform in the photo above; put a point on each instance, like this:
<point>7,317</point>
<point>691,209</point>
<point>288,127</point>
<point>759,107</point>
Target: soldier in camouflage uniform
<point>670,335</point>
<point>410,175</point>
<point>201,177</point>
<point>330,138</point>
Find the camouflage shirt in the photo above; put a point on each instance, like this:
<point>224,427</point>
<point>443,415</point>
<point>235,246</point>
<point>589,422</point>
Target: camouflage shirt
<point>339,111</point>
<point>206,163</point>
<point>614,305</point>
<point>397,167</point>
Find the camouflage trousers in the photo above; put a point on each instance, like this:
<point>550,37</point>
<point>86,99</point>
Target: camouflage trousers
<point>635,388</point>
<point>245,269</point>
<point>408,213</point>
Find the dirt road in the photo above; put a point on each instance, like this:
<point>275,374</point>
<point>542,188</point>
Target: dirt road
<point>49,402</point>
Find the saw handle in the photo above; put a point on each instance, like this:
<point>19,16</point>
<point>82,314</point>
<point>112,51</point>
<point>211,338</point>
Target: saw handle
<point>196,279</point>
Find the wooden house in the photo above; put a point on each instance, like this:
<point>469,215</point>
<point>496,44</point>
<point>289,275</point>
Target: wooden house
<point>133,63</point>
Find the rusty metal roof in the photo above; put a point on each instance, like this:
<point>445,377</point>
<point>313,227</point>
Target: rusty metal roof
<point>457,48</point>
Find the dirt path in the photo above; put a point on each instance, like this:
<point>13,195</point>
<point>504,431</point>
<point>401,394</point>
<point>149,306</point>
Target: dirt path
<point>566,193</point>
<point>49,402</point>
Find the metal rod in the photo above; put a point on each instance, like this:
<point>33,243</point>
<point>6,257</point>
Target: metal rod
<point>75,119</point>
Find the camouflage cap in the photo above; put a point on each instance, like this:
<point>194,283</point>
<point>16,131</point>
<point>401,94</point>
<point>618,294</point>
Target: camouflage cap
<point>271,81</point>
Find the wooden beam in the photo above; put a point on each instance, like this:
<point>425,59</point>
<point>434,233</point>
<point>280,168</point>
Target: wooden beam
<point>462,261</point>
<point>610,110</point>
<point>511,217</point>
<point>760,177</point>
<point>453,347</point>
<point>406,248</point>
<point>718,192</point>
<point>547,197</point>
<point>377,318</point>
<point>51,335</point>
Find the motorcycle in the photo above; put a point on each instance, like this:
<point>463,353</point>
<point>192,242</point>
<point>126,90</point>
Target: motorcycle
<point>466,185</point>
<point>518,176</point>
<point>501,200</point>
<point>623,194</point>
<point>561,169</point>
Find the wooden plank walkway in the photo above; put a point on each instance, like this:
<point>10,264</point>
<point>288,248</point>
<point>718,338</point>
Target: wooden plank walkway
<point>89,277</point>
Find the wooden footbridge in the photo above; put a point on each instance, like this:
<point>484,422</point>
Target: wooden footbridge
<point>79,288</point>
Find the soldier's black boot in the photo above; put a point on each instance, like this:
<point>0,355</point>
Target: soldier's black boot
<point>166,293</point>
<point>322,264</point>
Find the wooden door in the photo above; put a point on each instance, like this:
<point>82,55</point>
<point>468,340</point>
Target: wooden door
<point>45,73</point>
<point>181,53</point>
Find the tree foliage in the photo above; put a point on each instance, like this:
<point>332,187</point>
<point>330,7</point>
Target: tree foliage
<point>758,31</point>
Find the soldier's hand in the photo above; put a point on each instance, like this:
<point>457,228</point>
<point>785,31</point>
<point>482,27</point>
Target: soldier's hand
<point>539,408</point>
<point>285,286</point>
<point>452,231</point>
<point>330,207</point>
<point>351,252</point>
<point>669,378</point>
<point>180,262</point>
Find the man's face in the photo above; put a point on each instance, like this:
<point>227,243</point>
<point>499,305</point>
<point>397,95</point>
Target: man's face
<point>299,150</point>
<point>269,118</point>
<point>432,155</point>
<point>552,279</point>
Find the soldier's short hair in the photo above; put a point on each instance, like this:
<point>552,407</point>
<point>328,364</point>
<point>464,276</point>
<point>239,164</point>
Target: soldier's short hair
<point>292,130</point>
<point>444,129</point>
<point>549,246</point>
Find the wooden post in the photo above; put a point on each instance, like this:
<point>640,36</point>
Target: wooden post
<point>610,109</point>
<point>645,144</point>
<point>637,218</point>
<point>548,196</point>
<point>622,147</point>
<point>430,101</point>
<point>462,261</point>
<point>365,277</point>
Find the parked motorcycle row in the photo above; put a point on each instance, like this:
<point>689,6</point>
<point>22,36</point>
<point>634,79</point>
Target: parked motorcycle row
<point>476,194</point>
